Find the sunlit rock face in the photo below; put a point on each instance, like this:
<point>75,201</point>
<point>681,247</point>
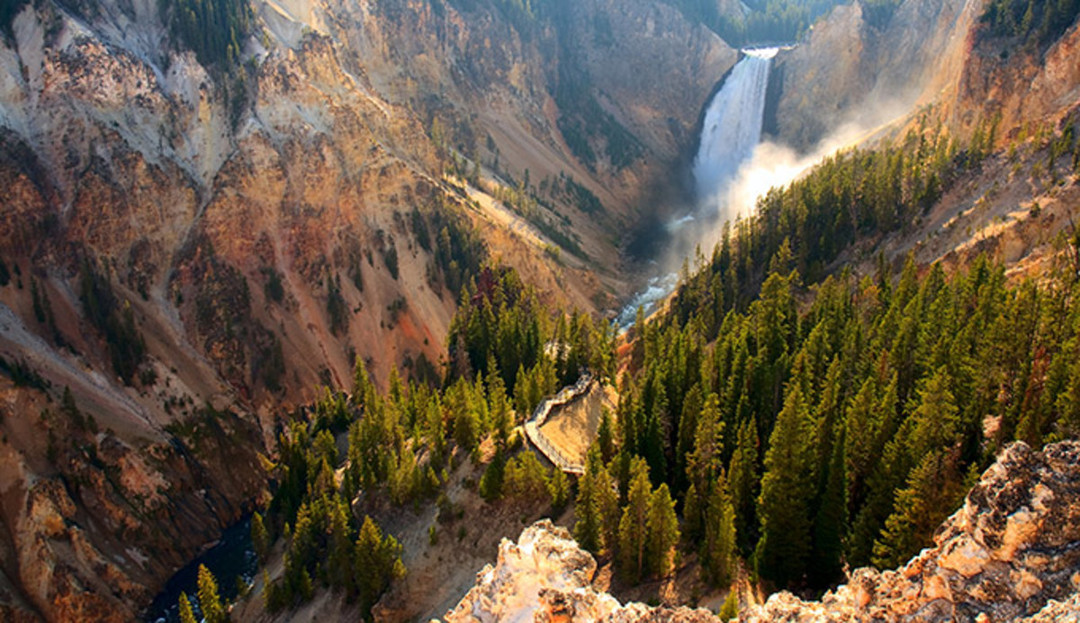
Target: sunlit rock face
<point>1012,551</point>
<point>545,577</point>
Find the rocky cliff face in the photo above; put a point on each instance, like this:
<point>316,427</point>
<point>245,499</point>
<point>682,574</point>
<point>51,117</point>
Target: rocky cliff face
<point>1022,86</point>
<point>1012,551</point>
<point>929,54</point>
<point>193,249</point>
<point>852,71</point>
<point>546,577</point>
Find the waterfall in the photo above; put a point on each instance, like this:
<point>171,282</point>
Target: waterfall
<point>729,134</point>
<point>732,128</point>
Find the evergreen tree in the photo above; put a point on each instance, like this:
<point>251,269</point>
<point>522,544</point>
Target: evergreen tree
<point>633,527</point>
<point>607,502</point>
<point>605,436</point>
<point>499,404</point>
<point>786,491</point>
<point>559,490</point>
<point>704,463</point>
<point>209,599</point>
<point>933,491</point>
<point>340,557</point>
<point>744,487</point>
<point>718,550</point>
<point>662,530</point>
<point>491,483</point>
<point>859,446</point>
<point>936,417</point>
<point>826,558</point>
<point>688,426</point>
<point>729,610</point>
<point>187,615</point>
<point>260,539</point>
<point>377,563</point>
<point>526,480</point>
<point>587,508</point>
<point>693,515</point>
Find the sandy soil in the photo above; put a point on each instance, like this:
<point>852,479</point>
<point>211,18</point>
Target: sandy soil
<point>572,427</point>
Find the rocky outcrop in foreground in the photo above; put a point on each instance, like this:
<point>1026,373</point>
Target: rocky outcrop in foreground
<point>1011,549</point>
<point>546,577</point>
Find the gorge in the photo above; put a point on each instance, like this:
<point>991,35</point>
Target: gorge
<point>313,262</point>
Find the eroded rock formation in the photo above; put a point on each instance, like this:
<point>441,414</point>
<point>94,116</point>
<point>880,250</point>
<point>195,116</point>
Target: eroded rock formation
<point>1011,549</point>
<point>545,577</point>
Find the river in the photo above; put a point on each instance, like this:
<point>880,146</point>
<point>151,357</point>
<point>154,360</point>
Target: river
<point>231,557</point>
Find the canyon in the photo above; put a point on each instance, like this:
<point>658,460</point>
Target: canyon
<point>197,248</point>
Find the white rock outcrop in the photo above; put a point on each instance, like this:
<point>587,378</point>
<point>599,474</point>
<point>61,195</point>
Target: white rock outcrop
<point>545,577</point>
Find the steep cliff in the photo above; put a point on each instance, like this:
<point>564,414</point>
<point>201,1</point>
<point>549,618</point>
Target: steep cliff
<point>867,70</point>
<point>853,70</point>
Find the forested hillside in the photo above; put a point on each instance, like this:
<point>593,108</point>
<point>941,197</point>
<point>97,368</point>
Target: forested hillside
<point>798,424</point>
<point>840,418</point>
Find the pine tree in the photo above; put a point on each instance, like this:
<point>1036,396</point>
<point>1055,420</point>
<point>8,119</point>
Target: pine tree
<point>704,463</point>
<point>377,562</point>
<point>1068,403</point>
<point>688,425</point>
<point>187,615</point>
<point>587,527</point>
<point>730,609</point>
<point>499,404</point>
<point>652,439</point>
<point>936,417</point>
<point>826,562</point>
<point>718,550</point>
<point>260,539</point>
<point>786,492</point>
<point>859,457</point>
<point>209,599</point>
<point>744,487</point>
<point>662,529</point>
<point>607,503</point>
<point>633,527</point>
<point>340,557</point>
<point>934,489</point>
<point>605,436</point>
<point>491,483</point>
<point>526,480</point>
<point>559,490</point>
<point>693,515</point>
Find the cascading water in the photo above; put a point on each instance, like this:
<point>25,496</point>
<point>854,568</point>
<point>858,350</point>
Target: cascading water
<point>729,134</point>
<point>732,128</point>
